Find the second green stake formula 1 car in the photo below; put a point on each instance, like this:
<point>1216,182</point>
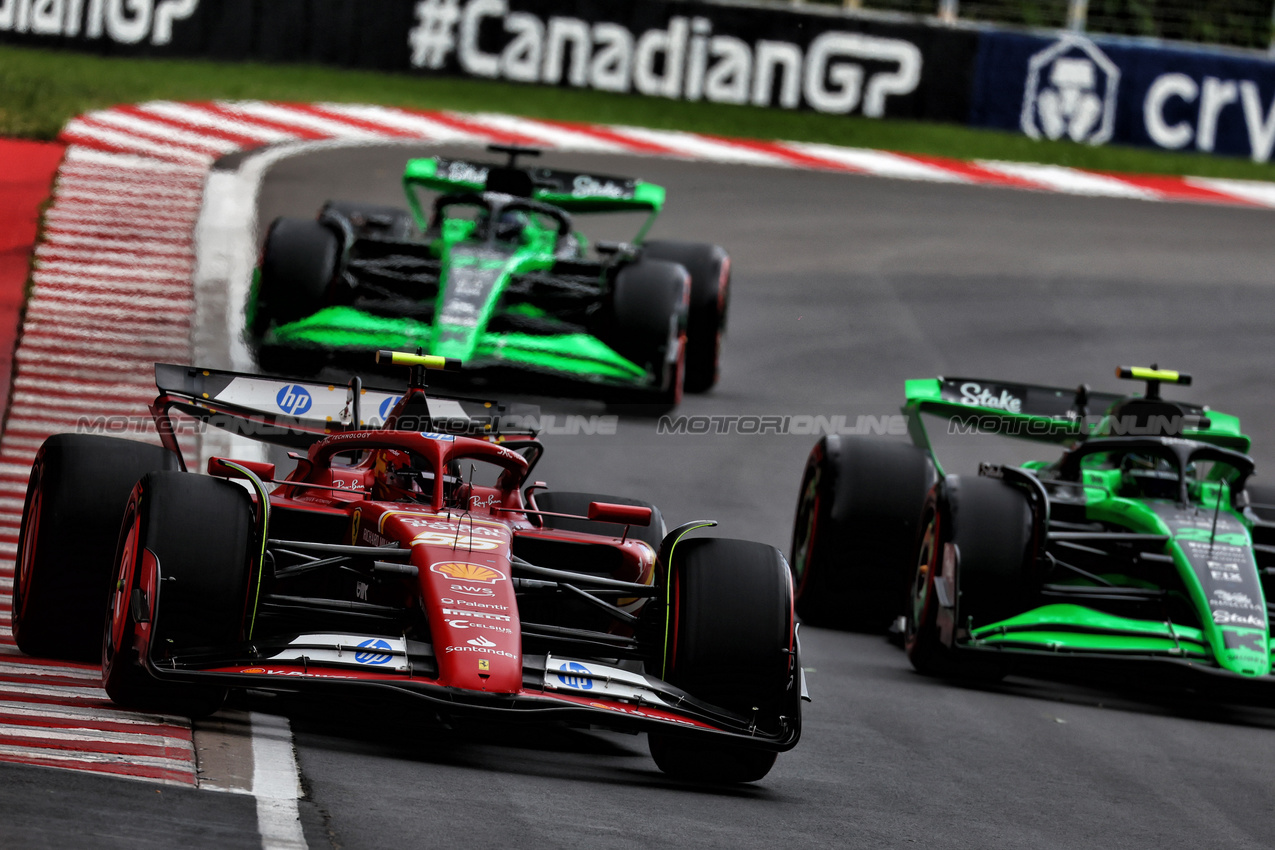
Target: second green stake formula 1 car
<point>493,272</point>
<point>1145,551</point>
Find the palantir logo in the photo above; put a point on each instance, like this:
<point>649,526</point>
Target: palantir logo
<point>1071,92</point>
<point>293,399</point>
<point>369,655</point>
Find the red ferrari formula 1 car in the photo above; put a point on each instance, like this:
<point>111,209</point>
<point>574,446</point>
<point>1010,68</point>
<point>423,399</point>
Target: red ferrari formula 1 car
<point>410,559</point>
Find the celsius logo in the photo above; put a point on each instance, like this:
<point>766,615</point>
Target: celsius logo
<point>293,399</point>
<point>368,656</point>
<point>976,395</point>
<point>573,674</point>
<point>1071,91</point>
<point>387,406</point>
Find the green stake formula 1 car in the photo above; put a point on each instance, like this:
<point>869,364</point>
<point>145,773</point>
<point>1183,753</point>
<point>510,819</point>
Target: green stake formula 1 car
<point>493,273</point>
<point>1145,549</point>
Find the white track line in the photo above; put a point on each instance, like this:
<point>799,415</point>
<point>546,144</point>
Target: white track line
<point>275,783</point>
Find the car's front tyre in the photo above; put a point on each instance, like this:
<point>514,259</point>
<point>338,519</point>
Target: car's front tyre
<point>183,566</point>
<point>731,644</point>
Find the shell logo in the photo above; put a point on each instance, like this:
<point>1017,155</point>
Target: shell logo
<point>467,572</point>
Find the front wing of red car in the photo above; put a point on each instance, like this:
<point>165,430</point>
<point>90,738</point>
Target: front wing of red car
<point>554,688</point>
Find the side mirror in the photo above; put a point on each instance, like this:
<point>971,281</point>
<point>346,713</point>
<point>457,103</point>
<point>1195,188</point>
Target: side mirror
<point>621,514</point>
<point>217,466</point>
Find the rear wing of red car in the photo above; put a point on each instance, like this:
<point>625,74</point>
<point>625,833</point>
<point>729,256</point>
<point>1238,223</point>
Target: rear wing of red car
<point>297,413</point>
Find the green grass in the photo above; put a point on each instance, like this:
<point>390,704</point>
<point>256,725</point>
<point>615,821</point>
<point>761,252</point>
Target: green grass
<point>41,89</point>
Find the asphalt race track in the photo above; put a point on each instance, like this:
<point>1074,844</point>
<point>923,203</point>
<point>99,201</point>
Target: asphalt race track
<point>844,287</point>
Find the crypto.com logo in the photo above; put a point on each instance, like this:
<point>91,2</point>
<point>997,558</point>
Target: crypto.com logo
<point>1071,92</point>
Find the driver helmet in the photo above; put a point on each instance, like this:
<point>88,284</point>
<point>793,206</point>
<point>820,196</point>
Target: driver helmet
<point>510,225</point>
<point>395,477</point>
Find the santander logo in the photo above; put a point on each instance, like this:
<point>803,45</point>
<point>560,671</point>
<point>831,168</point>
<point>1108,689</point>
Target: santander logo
<point>975,394</point>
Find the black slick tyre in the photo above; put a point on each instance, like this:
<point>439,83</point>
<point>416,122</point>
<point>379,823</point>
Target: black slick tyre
<point>298,264</point>
<point>182,585</point>
<point>855,533</point>
<point>732,646</point>
<point>982,530</point>
<point>77,492</point>
<point>647,324</point>
<point>709,268</point>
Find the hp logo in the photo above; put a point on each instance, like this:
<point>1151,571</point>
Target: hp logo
<point>583,680</point>
<point>371,657</point>
<point>387,406</point>
<point>293,399</point>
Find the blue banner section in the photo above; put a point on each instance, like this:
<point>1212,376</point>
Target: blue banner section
<point>1100,91</point>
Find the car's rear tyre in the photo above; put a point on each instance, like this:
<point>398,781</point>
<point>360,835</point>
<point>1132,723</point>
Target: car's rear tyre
<point>990,524</point>
<point>298,264</point>
<point>183,561</point>
<point>647,324</point>
<point>76,494</point>
<point>709,268</point>
<point>855,533</point>
<point>289,362</point>
<point>731,645</point>
<point>565,502</point>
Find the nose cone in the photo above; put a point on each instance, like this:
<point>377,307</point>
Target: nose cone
<point>469,600</point>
